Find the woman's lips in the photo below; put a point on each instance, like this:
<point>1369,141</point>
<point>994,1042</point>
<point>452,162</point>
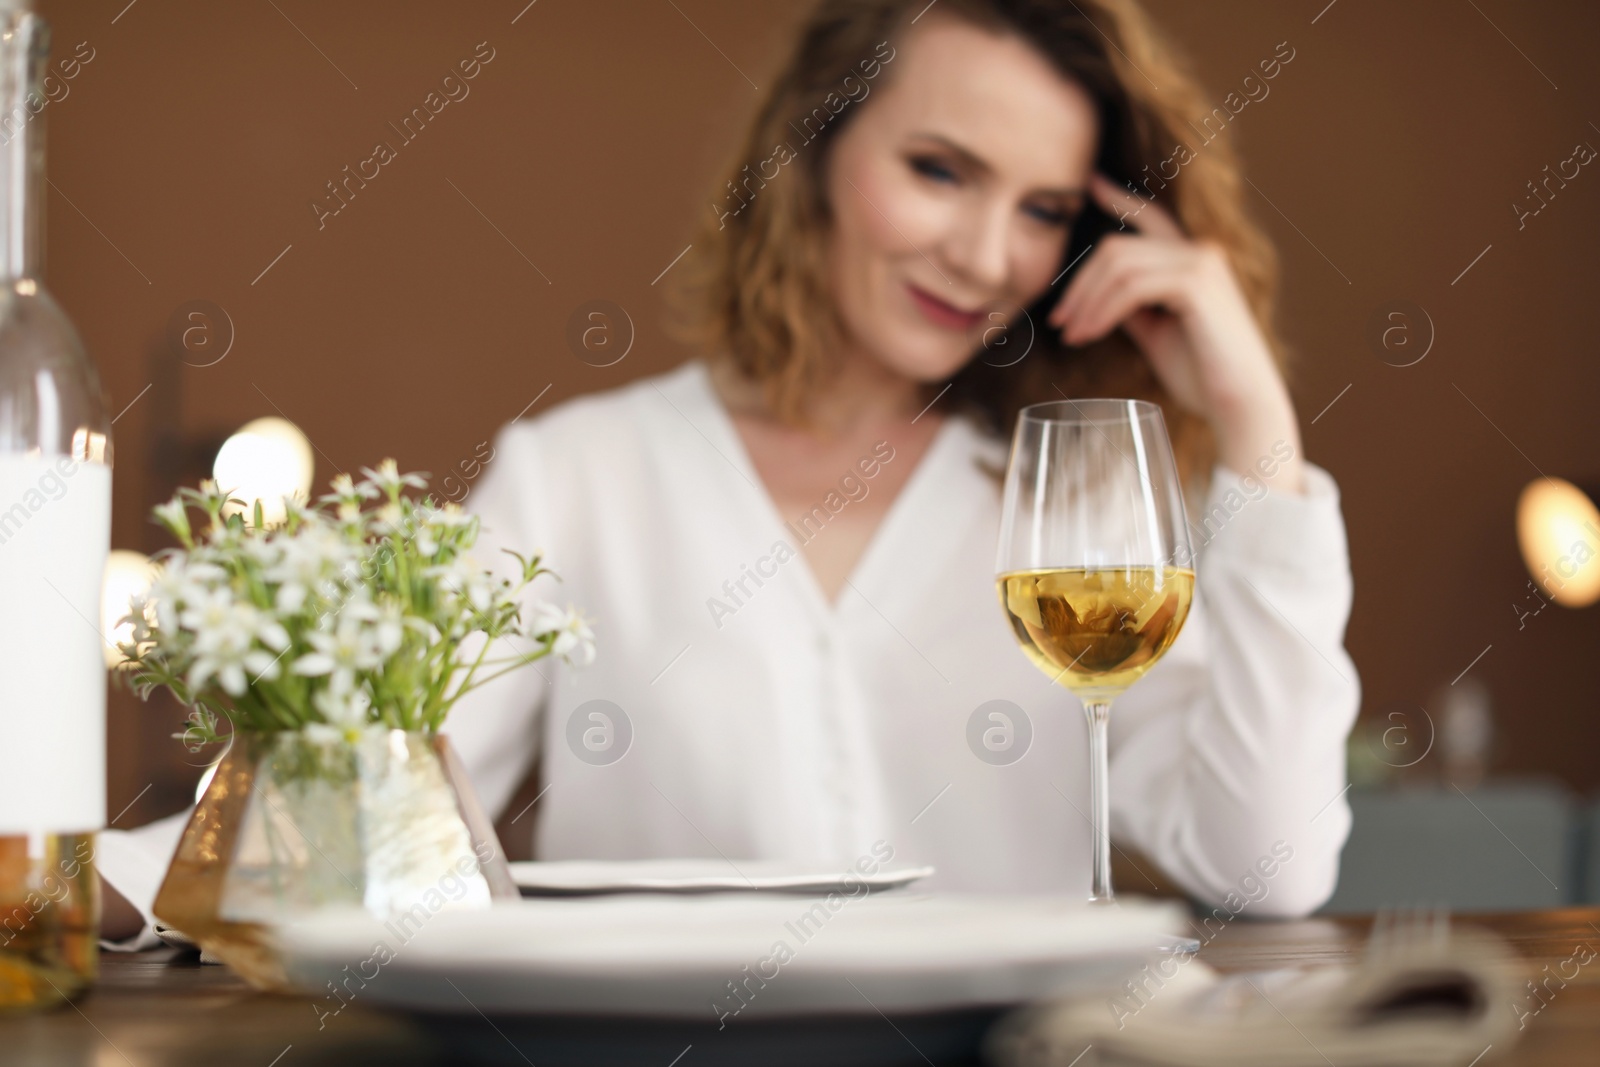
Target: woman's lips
<point>942,314</point>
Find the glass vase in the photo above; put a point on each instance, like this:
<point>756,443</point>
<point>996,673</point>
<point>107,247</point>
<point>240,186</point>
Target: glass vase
<point>297,821</point>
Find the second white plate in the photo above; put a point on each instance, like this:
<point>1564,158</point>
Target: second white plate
<point>595,877</point>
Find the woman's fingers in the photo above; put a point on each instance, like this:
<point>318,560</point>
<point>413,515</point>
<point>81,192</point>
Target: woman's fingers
<point>1108,255</point>
<point>1084,277</point>
<point>1086,284</point>
<point>1131,209</point>
<point>1119,297</point>
<point>1097,300</point>
<point>1081,307</point>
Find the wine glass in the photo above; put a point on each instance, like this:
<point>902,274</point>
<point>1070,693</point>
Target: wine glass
<point>1094,565</point>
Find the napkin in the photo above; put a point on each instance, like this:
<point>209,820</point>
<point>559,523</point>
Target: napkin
<point>1422,995</point>
<point>175,937</point>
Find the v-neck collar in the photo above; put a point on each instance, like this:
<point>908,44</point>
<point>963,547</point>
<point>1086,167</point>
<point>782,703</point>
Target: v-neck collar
<point>951,438</point>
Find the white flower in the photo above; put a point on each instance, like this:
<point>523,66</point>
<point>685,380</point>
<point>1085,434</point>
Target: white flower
<point>340,653</point>
<point>182,580</point>
<point>174,516</point>
<point>307,559</point>
<point>388,480</point>
<point>438,524</point>
<point>574,639</point>
<point>346,711</point>
<point>224,537</point>
<point>450,517</point>
<point>459,578</point>
<point>360,606</point>
<point>264,551</point>
<point>217,620</point>
<point>227,634</point>
<point>346,491</point>
<point>226,652</point>
<point>389,629</point>
<point>296,508</point>
<point>386,519</point>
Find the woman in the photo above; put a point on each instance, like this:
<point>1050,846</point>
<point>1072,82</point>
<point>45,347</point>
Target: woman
<point>788,547</point>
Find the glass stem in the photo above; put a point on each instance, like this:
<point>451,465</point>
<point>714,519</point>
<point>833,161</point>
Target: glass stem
<point>1098,712</point>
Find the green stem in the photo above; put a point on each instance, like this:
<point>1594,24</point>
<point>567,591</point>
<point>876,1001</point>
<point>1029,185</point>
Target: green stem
<point>486,679</point>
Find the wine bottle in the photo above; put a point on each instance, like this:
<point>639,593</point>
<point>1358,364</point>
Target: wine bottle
<point>55,528</point>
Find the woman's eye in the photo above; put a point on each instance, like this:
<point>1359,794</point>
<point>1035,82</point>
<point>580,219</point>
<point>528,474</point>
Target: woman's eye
<point>929,167</point>
<point>1048,215</point>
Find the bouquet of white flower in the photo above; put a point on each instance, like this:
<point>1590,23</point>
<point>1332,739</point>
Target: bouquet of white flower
<point>364,609</point>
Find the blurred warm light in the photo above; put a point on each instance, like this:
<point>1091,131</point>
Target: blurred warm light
<point>1558,529</point>
<point>266,460</point>
<point>127,575</point>
<point>89,445</point>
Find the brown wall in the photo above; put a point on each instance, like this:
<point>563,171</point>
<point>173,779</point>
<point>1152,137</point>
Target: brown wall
<point>415,322</point>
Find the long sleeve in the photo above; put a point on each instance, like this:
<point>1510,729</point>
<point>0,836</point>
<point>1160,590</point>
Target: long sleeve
<point>1235,754</point>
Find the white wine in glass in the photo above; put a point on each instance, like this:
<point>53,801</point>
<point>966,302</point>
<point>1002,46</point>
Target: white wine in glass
<point>1094,562</point>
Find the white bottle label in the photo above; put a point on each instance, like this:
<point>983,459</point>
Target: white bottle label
<point>55,532</point>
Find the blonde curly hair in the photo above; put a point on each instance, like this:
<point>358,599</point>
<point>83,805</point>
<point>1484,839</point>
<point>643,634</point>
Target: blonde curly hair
<point>757,293</point>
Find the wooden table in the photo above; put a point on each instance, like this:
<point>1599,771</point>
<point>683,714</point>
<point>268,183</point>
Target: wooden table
<point>164,1009</point>
<point>1565,1033</point>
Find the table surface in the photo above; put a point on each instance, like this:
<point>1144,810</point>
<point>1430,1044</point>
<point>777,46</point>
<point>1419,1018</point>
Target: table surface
<point>164,1009</point>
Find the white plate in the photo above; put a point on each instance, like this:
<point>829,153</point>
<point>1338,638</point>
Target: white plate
<point>584,877</point>
<point>674,957</point>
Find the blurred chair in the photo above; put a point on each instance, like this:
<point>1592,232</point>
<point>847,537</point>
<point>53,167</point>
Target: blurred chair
<point>1588,836</point>
<point>1504,846</point>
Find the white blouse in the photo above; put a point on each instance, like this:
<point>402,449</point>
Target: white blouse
<point>741,715</point>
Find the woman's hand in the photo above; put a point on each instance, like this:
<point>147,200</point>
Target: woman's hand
<point>1179,301</point>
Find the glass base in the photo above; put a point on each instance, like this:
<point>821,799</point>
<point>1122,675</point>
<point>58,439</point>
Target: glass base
<point>386,822</point>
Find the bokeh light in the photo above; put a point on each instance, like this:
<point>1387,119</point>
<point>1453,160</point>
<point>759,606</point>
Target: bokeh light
<point>1558,530</point>
<point>267,460</point>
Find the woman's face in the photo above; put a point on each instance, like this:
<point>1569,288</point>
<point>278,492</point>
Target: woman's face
<point>953,192</point>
